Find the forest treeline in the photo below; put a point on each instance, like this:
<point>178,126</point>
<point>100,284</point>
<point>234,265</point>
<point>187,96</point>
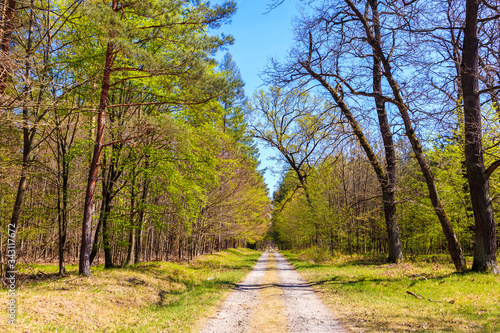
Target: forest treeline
<point>122,138</point>
<point>386,115</point>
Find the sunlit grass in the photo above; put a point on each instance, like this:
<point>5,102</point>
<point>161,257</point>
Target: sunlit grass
<point>372,296</point>
<point>147,297</point>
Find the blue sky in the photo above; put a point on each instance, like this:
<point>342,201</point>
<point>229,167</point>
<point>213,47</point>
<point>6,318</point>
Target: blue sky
<point>258,37</point>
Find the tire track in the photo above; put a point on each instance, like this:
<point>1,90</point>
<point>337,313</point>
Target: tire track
<point>233,316</point>
<point>305,310</point>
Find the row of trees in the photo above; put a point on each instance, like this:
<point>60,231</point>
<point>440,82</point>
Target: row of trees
<point>347,204</point>
<point>427,70</point>
<point>121,134</point>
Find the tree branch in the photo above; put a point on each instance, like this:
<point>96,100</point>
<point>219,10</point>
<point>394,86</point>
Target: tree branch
<point>491,169</point>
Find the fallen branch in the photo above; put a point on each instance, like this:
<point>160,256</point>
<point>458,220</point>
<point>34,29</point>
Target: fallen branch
<point>417,295</point>
<point>73,279</point>
<point>414,294</point>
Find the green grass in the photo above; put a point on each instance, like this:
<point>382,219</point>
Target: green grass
<point>147,297</point>
<point>369,295</point>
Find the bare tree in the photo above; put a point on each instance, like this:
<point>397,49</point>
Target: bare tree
<point>333,48</point>
<point>304,130</point>
<point>328,38</point>
<point>134,59</point>
<point>453,245</point>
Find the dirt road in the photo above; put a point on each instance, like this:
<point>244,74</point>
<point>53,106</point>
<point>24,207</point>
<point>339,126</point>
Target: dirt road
<point>273,298</point>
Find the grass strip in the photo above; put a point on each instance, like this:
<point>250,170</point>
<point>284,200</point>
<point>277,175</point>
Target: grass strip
<point>146,297</point>
<point>373,296</point>
<point>269,315</point>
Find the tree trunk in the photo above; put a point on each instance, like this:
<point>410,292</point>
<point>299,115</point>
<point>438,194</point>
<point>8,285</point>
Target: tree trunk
<point>84,265</point>
<point>6,37</point>
<point>106,237</point>
<point>95,243</point>
<point>388,185</point>
<point>131,236</point>
<point>140,222</point>
<point>107,196</point>
<point>28,134</point>
<point>303,183</point>
<point>388,192</point>
<point>63,213</point>
<point>63,163</point>
<point>103,224</point>
<point>486,239</point>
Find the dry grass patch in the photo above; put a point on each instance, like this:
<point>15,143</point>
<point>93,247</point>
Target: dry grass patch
<point>147,297</point>
<point>370,296</point>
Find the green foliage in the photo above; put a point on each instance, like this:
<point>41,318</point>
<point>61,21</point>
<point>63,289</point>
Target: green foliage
<point>315,254</point>
<point>233,101</point>
<point>347,212</point>
<point>171,176</point>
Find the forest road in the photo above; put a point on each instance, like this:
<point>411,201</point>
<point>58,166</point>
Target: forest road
<point>273,298</point>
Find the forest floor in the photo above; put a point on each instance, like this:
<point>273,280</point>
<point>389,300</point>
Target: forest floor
<point>426,295</point>
<point>146,297</point>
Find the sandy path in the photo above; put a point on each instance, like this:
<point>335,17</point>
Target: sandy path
<point>234,313</point>
<point>304,310</point>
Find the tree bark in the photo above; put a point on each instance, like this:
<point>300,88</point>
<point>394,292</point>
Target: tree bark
<point>389,183</point>
<point>486,239</point>
<point>84,265</point>
<point>7,29</point>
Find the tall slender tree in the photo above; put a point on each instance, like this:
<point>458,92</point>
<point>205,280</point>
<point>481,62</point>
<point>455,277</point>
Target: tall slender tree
<point>486,238</point>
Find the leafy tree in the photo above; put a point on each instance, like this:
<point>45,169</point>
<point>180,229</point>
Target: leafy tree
<point>134,35</point>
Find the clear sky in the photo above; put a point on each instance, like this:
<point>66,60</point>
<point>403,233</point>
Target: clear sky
<point>259,36</point>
